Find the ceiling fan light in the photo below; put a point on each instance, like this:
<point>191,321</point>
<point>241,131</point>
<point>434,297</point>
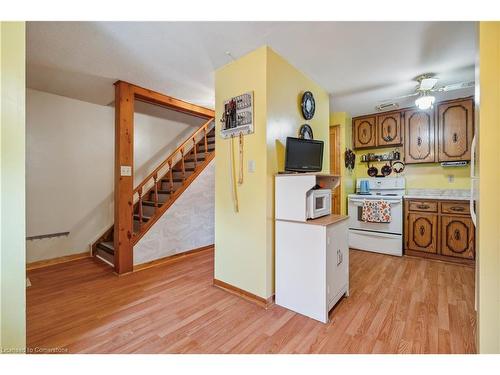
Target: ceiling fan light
<point>425,102</point>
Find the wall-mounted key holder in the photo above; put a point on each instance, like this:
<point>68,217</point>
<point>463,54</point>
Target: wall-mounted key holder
<point>238,116</point>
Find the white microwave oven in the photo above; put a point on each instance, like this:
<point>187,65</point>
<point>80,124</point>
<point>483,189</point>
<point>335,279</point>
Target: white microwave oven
<point>318,203</point>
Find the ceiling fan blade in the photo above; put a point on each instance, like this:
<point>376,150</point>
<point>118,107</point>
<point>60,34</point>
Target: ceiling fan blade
<point>427,83</point>
<point>399,97</point>
<point>455,86</point>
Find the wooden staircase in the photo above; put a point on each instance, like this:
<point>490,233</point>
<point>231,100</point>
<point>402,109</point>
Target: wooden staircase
<point>157,192</point>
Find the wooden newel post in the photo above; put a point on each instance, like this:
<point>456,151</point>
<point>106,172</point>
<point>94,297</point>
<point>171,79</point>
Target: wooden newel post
<point>124,157</point>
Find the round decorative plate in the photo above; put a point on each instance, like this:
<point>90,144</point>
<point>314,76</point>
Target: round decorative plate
<point>305,132</point>
<point>308,105</point>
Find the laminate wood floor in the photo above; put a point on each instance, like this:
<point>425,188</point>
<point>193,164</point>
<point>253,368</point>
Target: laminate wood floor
<point>397,305</point>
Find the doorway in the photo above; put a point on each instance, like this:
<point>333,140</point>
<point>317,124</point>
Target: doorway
<point>335,165</point>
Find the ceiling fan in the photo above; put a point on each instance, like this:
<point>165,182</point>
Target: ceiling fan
<point>426,85</point>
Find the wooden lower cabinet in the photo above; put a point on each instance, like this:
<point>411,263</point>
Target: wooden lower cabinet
<point>457,237</point>
<point>444,232</point>
<point>422,232</point>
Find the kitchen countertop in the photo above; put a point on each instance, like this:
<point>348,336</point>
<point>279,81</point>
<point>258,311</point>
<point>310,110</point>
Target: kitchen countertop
<point>443,194</point>
<point>322,221</point>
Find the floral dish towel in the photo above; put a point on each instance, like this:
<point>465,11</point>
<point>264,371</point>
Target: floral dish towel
<point>376,211</point>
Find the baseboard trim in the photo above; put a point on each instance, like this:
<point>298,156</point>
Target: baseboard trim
<point>50,262</point>
<point>262,302</point>
<point>439,258</point>
<point>172,258</point>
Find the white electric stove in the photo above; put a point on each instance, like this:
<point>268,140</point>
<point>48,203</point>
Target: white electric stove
<point>386,238</point>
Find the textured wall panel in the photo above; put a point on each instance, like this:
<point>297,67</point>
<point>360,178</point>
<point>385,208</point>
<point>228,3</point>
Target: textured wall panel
<point>187,224</point>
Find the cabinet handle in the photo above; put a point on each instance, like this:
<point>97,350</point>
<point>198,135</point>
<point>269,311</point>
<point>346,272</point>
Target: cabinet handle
<point>455,137</point>
<point>422,230</point>
<point>388,137</point>
<point>423,206</point>
<point>339,257</point>
<point>457,209</point>
<point>419,141</point>
<point>457,235</point>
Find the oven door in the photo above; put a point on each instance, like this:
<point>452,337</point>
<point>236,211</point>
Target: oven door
<point>394,227</point>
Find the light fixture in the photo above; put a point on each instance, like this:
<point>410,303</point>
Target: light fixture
<point>425,102</point>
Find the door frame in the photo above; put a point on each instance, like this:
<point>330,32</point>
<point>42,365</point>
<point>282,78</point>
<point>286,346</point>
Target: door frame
<point>335,165</point>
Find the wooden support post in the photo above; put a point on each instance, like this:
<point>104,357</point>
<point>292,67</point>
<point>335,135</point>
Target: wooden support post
<point>206,142</point>
<point>195,153</point>
<point>124,156</point>
<point>140,209</point>
<point>183,166</point>
<point>155,177</point>
<point>171,177</point>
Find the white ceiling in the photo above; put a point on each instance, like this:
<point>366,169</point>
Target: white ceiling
<point>358,63</point>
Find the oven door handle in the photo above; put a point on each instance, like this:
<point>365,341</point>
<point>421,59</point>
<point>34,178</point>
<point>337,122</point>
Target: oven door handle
<point>387,200</point>
<point>373,234</point>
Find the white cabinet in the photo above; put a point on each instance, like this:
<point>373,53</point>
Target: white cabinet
<point>337,262</point>
<point>312,265</point>
<point>312,257</point>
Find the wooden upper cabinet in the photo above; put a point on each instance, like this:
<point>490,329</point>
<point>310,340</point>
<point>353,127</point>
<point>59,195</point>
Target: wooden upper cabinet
<point>424,139</point>
<point>419,136</point>
<point>389,129</point>
<point>455,129</point>
<point>364,132</point>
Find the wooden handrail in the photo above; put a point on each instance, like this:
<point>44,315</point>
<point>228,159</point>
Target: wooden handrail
<point>170,158</point>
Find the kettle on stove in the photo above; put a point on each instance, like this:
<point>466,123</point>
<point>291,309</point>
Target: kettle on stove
<point>364,187</point>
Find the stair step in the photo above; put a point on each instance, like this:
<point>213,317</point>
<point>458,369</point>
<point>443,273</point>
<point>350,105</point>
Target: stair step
<point>151,203</point>
<point>187,169</point>
<point>137,226</point>
<point>175,179</point>
<point>191,159</point>
<point>163,191</point>
<point>107,246</point>
<point>104,255</point>
<point>144,218</point>
<point>209,150</point>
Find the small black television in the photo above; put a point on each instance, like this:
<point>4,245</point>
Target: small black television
<point>303,155</point>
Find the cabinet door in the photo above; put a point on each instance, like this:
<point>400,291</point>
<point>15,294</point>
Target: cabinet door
<point>419,137</point>
<point>455,130</point>
<point>337,259</point>
<point>364,132</point>
<point>422,232</point>
<point>457,237</point>
<point>389,129</point>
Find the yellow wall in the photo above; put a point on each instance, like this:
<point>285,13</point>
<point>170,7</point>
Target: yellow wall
<point>240,238</point>
<point>343,119</point>
<point>285,85</point>
<point>420,176</point>
<point>244,241</point>
<point>12,183</point>
<point>489,200</point>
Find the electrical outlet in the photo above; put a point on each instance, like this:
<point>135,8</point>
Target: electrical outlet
<point>125,170</point>
<point>251,166</point>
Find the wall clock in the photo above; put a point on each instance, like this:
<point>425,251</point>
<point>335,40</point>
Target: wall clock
<point>305,132</point>
<point>308,105</point>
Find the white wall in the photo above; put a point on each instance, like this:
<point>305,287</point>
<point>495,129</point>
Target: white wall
<point>70,161</point>
<point>188,224</point>
<point>12,188</point>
